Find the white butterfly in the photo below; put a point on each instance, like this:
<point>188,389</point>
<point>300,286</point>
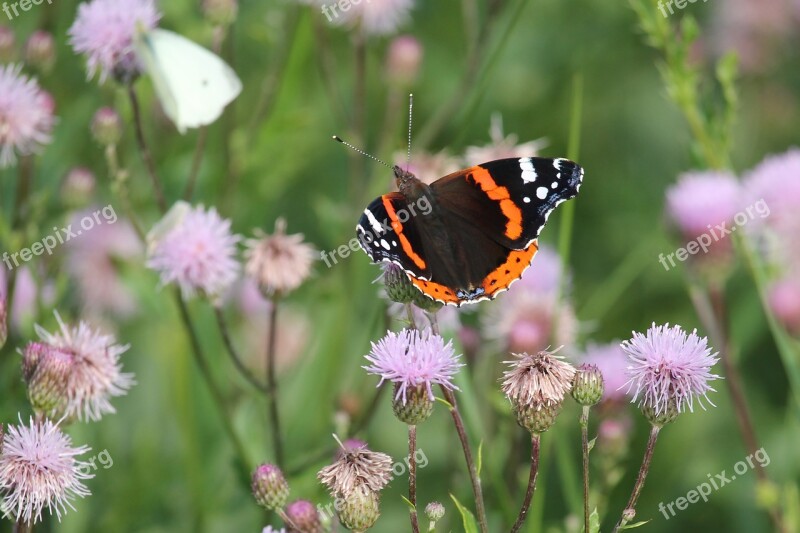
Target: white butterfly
<point>193,84</point>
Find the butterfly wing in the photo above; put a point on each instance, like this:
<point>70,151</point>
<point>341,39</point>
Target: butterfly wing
<point>192,83</point>
<point>509,199</point>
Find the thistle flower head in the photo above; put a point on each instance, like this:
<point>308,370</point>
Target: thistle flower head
<point>357,469</point>
<point>95,372</point>
<point>502,146</point>
<point>701,199</point>
<point>46,371</point>
<point>668,367</point>
<point>398,287</point>
<point>280,263</point>
<point>541,379</point>
<point>194,248</point>
<point>104,31</point>
<point>26,115</point>
<point>434,511</point>
<point>587,388</point>
<point>373,17</point>
<point>39,470</point>
<point>613,364</point>
<point>413,359</point>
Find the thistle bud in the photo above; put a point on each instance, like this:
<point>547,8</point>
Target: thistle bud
<point>403,60</point>
<point>302,517</point>
<point>8,45</point>
<point>415,407</point>
<point>40,50</point>
<point>46,370</point>
<point>537,418</point>
<point>435,512</point>
<point>269,487</point>
<point>426,304</point>
<point>106,126</point>
<point>77,187</point>
<point>587,387</point>
<point>398,287</point>
<point>360,510</point>
<point>662,417</point>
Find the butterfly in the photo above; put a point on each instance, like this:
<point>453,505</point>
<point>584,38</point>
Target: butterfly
<point>192,84</point>
<point>468,236</point>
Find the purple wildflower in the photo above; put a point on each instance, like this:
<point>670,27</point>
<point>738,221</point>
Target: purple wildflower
<point>194,247</point>
<point>703,199</point>
<point>667,365</point>
<point>104,31</point>
<point>26,115</point>
<point>38,470</point>
<point>411,359</point>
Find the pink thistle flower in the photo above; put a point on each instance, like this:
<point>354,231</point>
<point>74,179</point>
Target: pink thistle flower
<point>104,31</point>
<point>411,360</point>
<point>95,374</point>
<point>666,365</point>
<point>403,60</point>
<point>280,263</point>
<point>428,167</point>
<point>784,300</point>
<point>770,181</point>
<point>26,115</point>
<point>613,364</point>
<point>357,469</point>
<point>194,248</point>
<point>701,199</point>
<point>501,146</point>
<point>538,380</point>
<point>373,17</point>
<point>38,470</point>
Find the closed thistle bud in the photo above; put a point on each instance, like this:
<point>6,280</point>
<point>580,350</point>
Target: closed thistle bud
<point>3,321</point>
<point>537,418</point>
<point>302,517</point>
<point>47,370</point>
<point>220,12</point>
<point>413,408</point>
<point>663,416</point>
<point>77,187</point>
<point>435,512</point>
<point>587,387</point>
<point>426,304</point>
<point>398,287</point>
<point>106,126</point>
<point>269,487</point>
<point>8,45</point>
<point>360,509</point>
<point>40,50</point>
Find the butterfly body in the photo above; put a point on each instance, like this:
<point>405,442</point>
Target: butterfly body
<point>469,235</point>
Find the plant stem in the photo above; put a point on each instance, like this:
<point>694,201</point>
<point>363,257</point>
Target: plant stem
<point>272,383</point>
<point>24,185</point>
<point>526,504</point>
<point>22,527</point>
<point>197,161</point>
<point>145,151</point>
<point>412,476</point>
<point>237,361</point>
<point>216,393</point>
<point>585,448</point>
<point>462,436</point>
<point>630,509</point>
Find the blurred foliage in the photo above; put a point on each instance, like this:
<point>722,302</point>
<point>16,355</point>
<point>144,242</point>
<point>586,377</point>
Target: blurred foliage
<point>174,470</point>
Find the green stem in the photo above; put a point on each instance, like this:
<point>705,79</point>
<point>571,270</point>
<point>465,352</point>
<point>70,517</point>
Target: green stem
<point>412,476</point>
<point>222,325</point>
<point>144,150</point>
<point>272,384</point>
<point>584,422</point>
<point>526,504</point>
<point>630,510</point>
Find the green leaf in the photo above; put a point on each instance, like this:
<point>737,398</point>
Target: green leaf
<point>411,506</point>
<point>467,518</point>
<point>592,443</point>
<point>480,458</point>
<point>637,524</point>
<point>448,404</point>
<point>594,522</point>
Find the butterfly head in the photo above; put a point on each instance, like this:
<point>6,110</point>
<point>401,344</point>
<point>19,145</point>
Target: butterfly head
<point>407,183</point>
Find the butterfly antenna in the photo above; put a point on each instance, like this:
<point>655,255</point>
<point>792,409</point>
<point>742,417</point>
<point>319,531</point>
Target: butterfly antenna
<point>410,108</point>
<point>362,152</point>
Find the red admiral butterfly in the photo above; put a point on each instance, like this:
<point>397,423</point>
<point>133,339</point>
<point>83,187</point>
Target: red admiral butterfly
<point>469,235</point>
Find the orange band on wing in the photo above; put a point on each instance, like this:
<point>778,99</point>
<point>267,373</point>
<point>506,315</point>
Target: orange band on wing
<point>397,226</point>
<point>437,291</point>
<point>483,178</point>
<point>500,278</point>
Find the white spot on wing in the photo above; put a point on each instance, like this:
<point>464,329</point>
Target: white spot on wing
<point>528,172</point>
<point>526,200</point>
<point>554,184</point>
<point>376,226</point>
<point>541,193</point>
<point>385,244</point>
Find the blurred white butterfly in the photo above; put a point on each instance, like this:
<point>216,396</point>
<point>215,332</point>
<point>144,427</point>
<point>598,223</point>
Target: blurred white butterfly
<point>193,84</point>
